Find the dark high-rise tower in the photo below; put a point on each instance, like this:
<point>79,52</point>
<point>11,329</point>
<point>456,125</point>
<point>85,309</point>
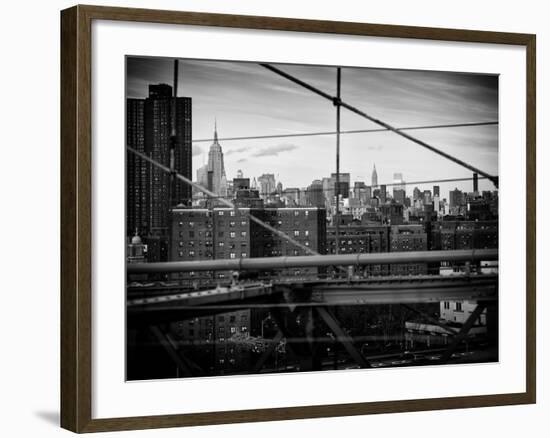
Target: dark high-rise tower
<point>158,116</point>
<point>455,198</point>
<point>383,194</point>
<point>148,188</point>
<point>315,195</point>
<point>136,168</point>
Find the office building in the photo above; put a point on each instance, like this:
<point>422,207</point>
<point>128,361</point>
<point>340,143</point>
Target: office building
<point>315,196</point>
<point>399,196</point>
<point>267,185</point>
<point>213,175</point>
<point>383,194</point>
<point>398,182</point>
<point>408,238</point>
<point>151,192</point>
<point>225,233</point>
<point>357,237</point>
<point>455,198</point>
<point>374,178</point>
<point>392,213</point>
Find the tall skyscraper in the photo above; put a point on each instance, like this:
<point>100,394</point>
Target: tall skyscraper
<point>476,183</point>
<point>267,184</point>
<point>315,195</point>
<point>328,190</point>
<point>216,178</point>
<point>202,176</point>
<point>136,168</point>
<point>383,194</point>
<point>150,192</point>
<point>158,123</point>
<point>343,189</point>
<point>399,195</point>
<point>455,198</point>
<point>374,178</point>
<point>427,197</point>
<point>359,191</point>
<point>398,182</point>
<point>436,204</point>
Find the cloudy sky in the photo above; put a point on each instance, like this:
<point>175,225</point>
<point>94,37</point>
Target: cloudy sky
<point>248,100</point>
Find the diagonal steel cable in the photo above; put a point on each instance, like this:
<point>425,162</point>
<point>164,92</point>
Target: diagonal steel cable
<point>224,201</point>
<point>349,131</point>
<point>337,101</point>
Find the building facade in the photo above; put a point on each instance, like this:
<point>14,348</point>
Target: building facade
<point>408,238</point>
<point>267,185</point>
<point>357,238</point>
<point>226,233</point>
<point>151,192</point>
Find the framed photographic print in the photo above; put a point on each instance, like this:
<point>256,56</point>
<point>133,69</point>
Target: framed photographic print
<point>268,218</point>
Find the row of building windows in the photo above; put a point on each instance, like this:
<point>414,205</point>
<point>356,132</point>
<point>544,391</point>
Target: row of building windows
<point>232,213</point>
<point>232,245</point>
<point>232,318</point>
<point>458,306</point>
<point>192,253</point>
<point>232,234</point>
<point>232,224</point>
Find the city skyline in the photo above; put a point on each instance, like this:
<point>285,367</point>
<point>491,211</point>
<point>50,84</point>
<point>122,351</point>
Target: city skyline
<point>403,98</point>
<point>217,278</point>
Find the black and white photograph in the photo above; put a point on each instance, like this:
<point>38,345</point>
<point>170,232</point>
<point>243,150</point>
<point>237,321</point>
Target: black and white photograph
<point>275,219</point>
<point>285,218</point>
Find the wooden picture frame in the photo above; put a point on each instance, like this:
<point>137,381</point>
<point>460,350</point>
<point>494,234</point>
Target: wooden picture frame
<point>76,217</point>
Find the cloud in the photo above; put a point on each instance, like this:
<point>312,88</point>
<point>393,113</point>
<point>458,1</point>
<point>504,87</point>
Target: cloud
<point>235,151</point>
<point>374,148</point>
<point>272,151</point>
<point>242,160</point>
<point>197,150</point>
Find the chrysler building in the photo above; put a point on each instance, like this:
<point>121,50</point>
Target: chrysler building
<point>374,179</point>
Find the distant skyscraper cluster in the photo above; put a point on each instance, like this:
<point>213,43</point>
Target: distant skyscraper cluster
<point>338,194</point>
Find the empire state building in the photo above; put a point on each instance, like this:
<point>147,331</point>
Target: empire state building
<point>213,176</point>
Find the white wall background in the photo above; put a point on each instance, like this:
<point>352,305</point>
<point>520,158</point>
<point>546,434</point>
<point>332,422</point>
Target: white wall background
<point>29,216</point>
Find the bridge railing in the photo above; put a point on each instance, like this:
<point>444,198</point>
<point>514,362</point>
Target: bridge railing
<point>263,263</point>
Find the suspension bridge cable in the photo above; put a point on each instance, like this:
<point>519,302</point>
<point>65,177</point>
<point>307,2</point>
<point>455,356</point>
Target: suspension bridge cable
<point>493,179</point>
<point>351,131</point>
<point>446,180</point>
<point>338,88</point>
